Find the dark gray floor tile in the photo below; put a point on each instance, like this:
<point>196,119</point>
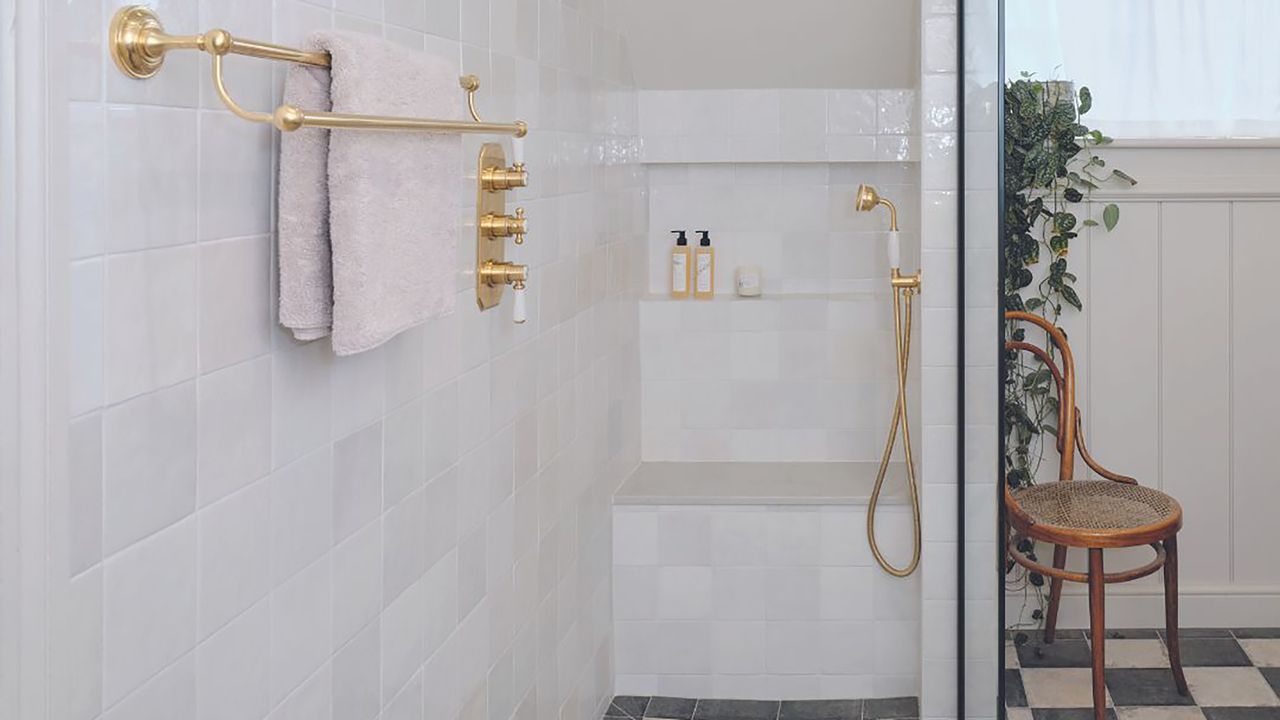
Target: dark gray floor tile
<point>1015,695</point>
<point>1241,713</point>
<point>1273,677</point>
<point>1068,714</point>
<point>1257,633</point>
<point>670,707</point>
<point>627,706</point>
<point>1144,686</point>
<point>883,708</point>
<point>820,710</point>
<point>736,710</point>
<point>1064,653</point>
<point>1037,634</point>
<point>1213,652</point>
<point>1130,634</point>
<point>1201,633</point>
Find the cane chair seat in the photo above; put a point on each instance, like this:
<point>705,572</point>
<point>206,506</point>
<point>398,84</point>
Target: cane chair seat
<point>1096,505</point>
<point>1126,514</point>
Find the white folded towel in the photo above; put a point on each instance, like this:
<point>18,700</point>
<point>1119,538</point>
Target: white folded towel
<point>368,219</point>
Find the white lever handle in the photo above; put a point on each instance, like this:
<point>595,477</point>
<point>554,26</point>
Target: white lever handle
<point>517,151</point>
<point>895,250</point>
<point>519,310</point>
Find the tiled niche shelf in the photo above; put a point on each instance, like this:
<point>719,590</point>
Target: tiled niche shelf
<point>779,126</point>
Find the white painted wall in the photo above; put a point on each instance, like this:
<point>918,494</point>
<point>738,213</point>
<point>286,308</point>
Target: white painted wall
<point>1177,360</point>
<point>707,44</point>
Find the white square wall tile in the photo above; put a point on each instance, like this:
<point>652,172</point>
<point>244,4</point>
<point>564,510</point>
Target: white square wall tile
<point>166,213</point>
<point>232,668</point>
<point>235,557</point>
<point>75,649</point>
<point>684,536</point>
<point>635,537</point>
<point>851,112</point>
<point>87,182</point>
<point>300,401</point>
<point>170,693</point>
<point>86,351</point>
<point>301,513</point>
<point>150,321</point>
<point>738,648</point>
<point>684,593</point>
<point>357,600</point>
<point>235,301</point>
<point>357,667</point>
<point>149,467</point>
<point>357,480</point>
<point>300,628</point>
<point>234,429</point>
<point>84,511</point>
<point>896,111</point>
<point>235,176</point>
<point>149,608</point>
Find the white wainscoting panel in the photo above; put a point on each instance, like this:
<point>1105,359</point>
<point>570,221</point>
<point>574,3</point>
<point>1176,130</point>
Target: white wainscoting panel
<point>1178,349</point>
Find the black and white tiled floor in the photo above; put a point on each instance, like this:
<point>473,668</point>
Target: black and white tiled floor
<point>1232,674</point>
<point>631,707</point>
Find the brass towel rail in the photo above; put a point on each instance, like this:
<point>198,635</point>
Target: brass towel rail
<point>139,43</point>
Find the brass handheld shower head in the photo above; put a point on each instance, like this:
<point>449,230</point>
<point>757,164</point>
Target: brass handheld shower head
<point>867,201</point>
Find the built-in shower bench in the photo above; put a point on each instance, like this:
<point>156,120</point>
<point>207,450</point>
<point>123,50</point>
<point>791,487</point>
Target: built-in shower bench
<point>754,580</point>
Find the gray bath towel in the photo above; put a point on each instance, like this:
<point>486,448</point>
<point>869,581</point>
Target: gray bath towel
<point>368,219</point>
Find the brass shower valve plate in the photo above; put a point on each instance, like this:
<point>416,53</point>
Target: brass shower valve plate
<point>489,203</point>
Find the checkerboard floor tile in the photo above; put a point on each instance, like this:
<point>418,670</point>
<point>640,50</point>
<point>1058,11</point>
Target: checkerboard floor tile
<point>1232,675</point>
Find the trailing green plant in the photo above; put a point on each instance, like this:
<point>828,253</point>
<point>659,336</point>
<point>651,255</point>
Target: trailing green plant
<point>1050,171</point>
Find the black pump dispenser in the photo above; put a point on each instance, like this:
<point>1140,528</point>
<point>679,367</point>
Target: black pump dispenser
<point>705,240</point>
<point>680,237</point>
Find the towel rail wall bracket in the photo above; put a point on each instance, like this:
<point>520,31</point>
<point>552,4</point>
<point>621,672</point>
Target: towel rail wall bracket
<point>138,44</point>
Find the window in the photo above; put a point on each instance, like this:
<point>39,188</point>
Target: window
<point>1157,68</point>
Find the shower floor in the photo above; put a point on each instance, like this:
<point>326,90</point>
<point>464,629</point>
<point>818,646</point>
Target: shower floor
<point>630,707</point>
<point>1232,674</point>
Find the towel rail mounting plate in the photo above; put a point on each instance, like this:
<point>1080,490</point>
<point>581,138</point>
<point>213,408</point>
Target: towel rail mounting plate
<point>138,44</point>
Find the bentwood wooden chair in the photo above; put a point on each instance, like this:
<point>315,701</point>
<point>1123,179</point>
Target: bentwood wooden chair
<point>1115,512</point>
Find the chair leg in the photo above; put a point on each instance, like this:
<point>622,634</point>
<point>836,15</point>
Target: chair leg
<point>1055,595</point>
<point>1097,628</point>
<point>1171,612</point>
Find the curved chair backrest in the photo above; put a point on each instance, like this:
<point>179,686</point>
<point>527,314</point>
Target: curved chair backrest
<point>1064,377</point>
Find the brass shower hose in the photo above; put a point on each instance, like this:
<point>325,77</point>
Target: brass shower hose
<point>902,345</point>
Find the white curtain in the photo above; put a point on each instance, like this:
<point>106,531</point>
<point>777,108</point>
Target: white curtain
<point>1157,68</point>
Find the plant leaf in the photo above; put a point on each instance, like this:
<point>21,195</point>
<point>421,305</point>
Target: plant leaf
<point>1111,216</point>
<point>1086,100</point>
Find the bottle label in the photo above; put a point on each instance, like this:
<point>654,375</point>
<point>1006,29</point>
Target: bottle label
<point>704,273</point>
<point>679,273</point>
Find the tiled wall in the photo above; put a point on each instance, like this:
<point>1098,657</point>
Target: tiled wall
<point>257,528</point>
<point>942,372</point>
<point>783,125</point>
<point>804,373</point>
<point>784,378</point>
<point>762,602</point>
<point>794,220</point>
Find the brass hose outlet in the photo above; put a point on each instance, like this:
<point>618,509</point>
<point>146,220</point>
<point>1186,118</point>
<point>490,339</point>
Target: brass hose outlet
<point>496,179</point>
<point>504,273</point>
